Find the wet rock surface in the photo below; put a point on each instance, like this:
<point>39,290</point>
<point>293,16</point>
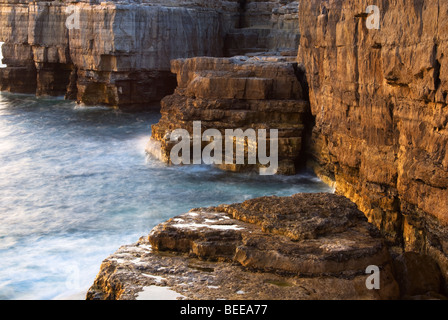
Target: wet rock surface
<point>298,247</point>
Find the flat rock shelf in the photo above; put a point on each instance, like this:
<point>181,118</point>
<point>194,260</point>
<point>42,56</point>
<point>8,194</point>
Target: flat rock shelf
<point>308,246</point>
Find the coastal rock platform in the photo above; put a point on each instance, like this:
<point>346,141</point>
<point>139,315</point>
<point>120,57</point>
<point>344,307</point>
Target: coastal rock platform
<point>307,246</point>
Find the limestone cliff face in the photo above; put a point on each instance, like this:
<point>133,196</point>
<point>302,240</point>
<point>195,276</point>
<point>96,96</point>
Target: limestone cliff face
<point>379,98</point>
<point>264,26</point>
<point>120,52</point>
<point>119,55</point>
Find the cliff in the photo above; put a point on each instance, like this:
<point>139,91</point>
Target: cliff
<point>379,102</point>
<point>377,132</point>
<point>118,53</point>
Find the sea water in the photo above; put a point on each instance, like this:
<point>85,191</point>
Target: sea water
<point>75,185</point>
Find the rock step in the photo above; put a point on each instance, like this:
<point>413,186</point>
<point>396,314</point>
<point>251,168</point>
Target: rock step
<point>308,246</point>
<point>308,234</point>
<point>258,92</point>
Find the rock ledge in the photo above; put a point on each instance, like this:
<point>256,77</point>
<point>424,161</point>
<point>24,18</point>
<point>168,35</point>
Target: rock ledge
<point>308,246</point>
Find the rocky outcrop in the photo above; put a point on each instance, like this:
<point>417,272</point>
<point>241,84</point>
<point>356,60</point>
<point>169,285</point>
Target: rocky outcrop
<point>118,53</point>
<point>259,92</point>
<point>308,246</point>
<point>379,101</point>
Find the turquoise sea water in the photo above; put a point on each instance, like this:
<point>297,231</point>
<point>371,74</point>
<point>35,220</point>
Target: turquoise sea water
<point>75,185</point>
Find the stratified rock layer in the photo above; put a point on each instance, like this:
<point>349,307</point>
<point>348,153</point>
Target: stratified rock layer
<point>260,92</point>
<point>264,26</point>
<point>118,53</point>
<point>308,246</point>
<point>379,98</point>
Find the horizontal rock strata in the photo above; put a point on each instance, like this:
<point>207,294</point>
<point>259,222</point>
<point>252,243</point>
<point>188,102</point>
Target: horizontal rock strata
<point>264,26</point>
<point>259,92</point>
<point>308,246</point>
<point>379,98</point>
<point>118,53</point>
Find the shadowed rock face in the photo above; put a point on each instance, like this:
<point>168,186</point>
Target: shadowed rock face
<point>379,102</point>
<point>424,272</point>
<point>308,246</point>
<point>119,54</point>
